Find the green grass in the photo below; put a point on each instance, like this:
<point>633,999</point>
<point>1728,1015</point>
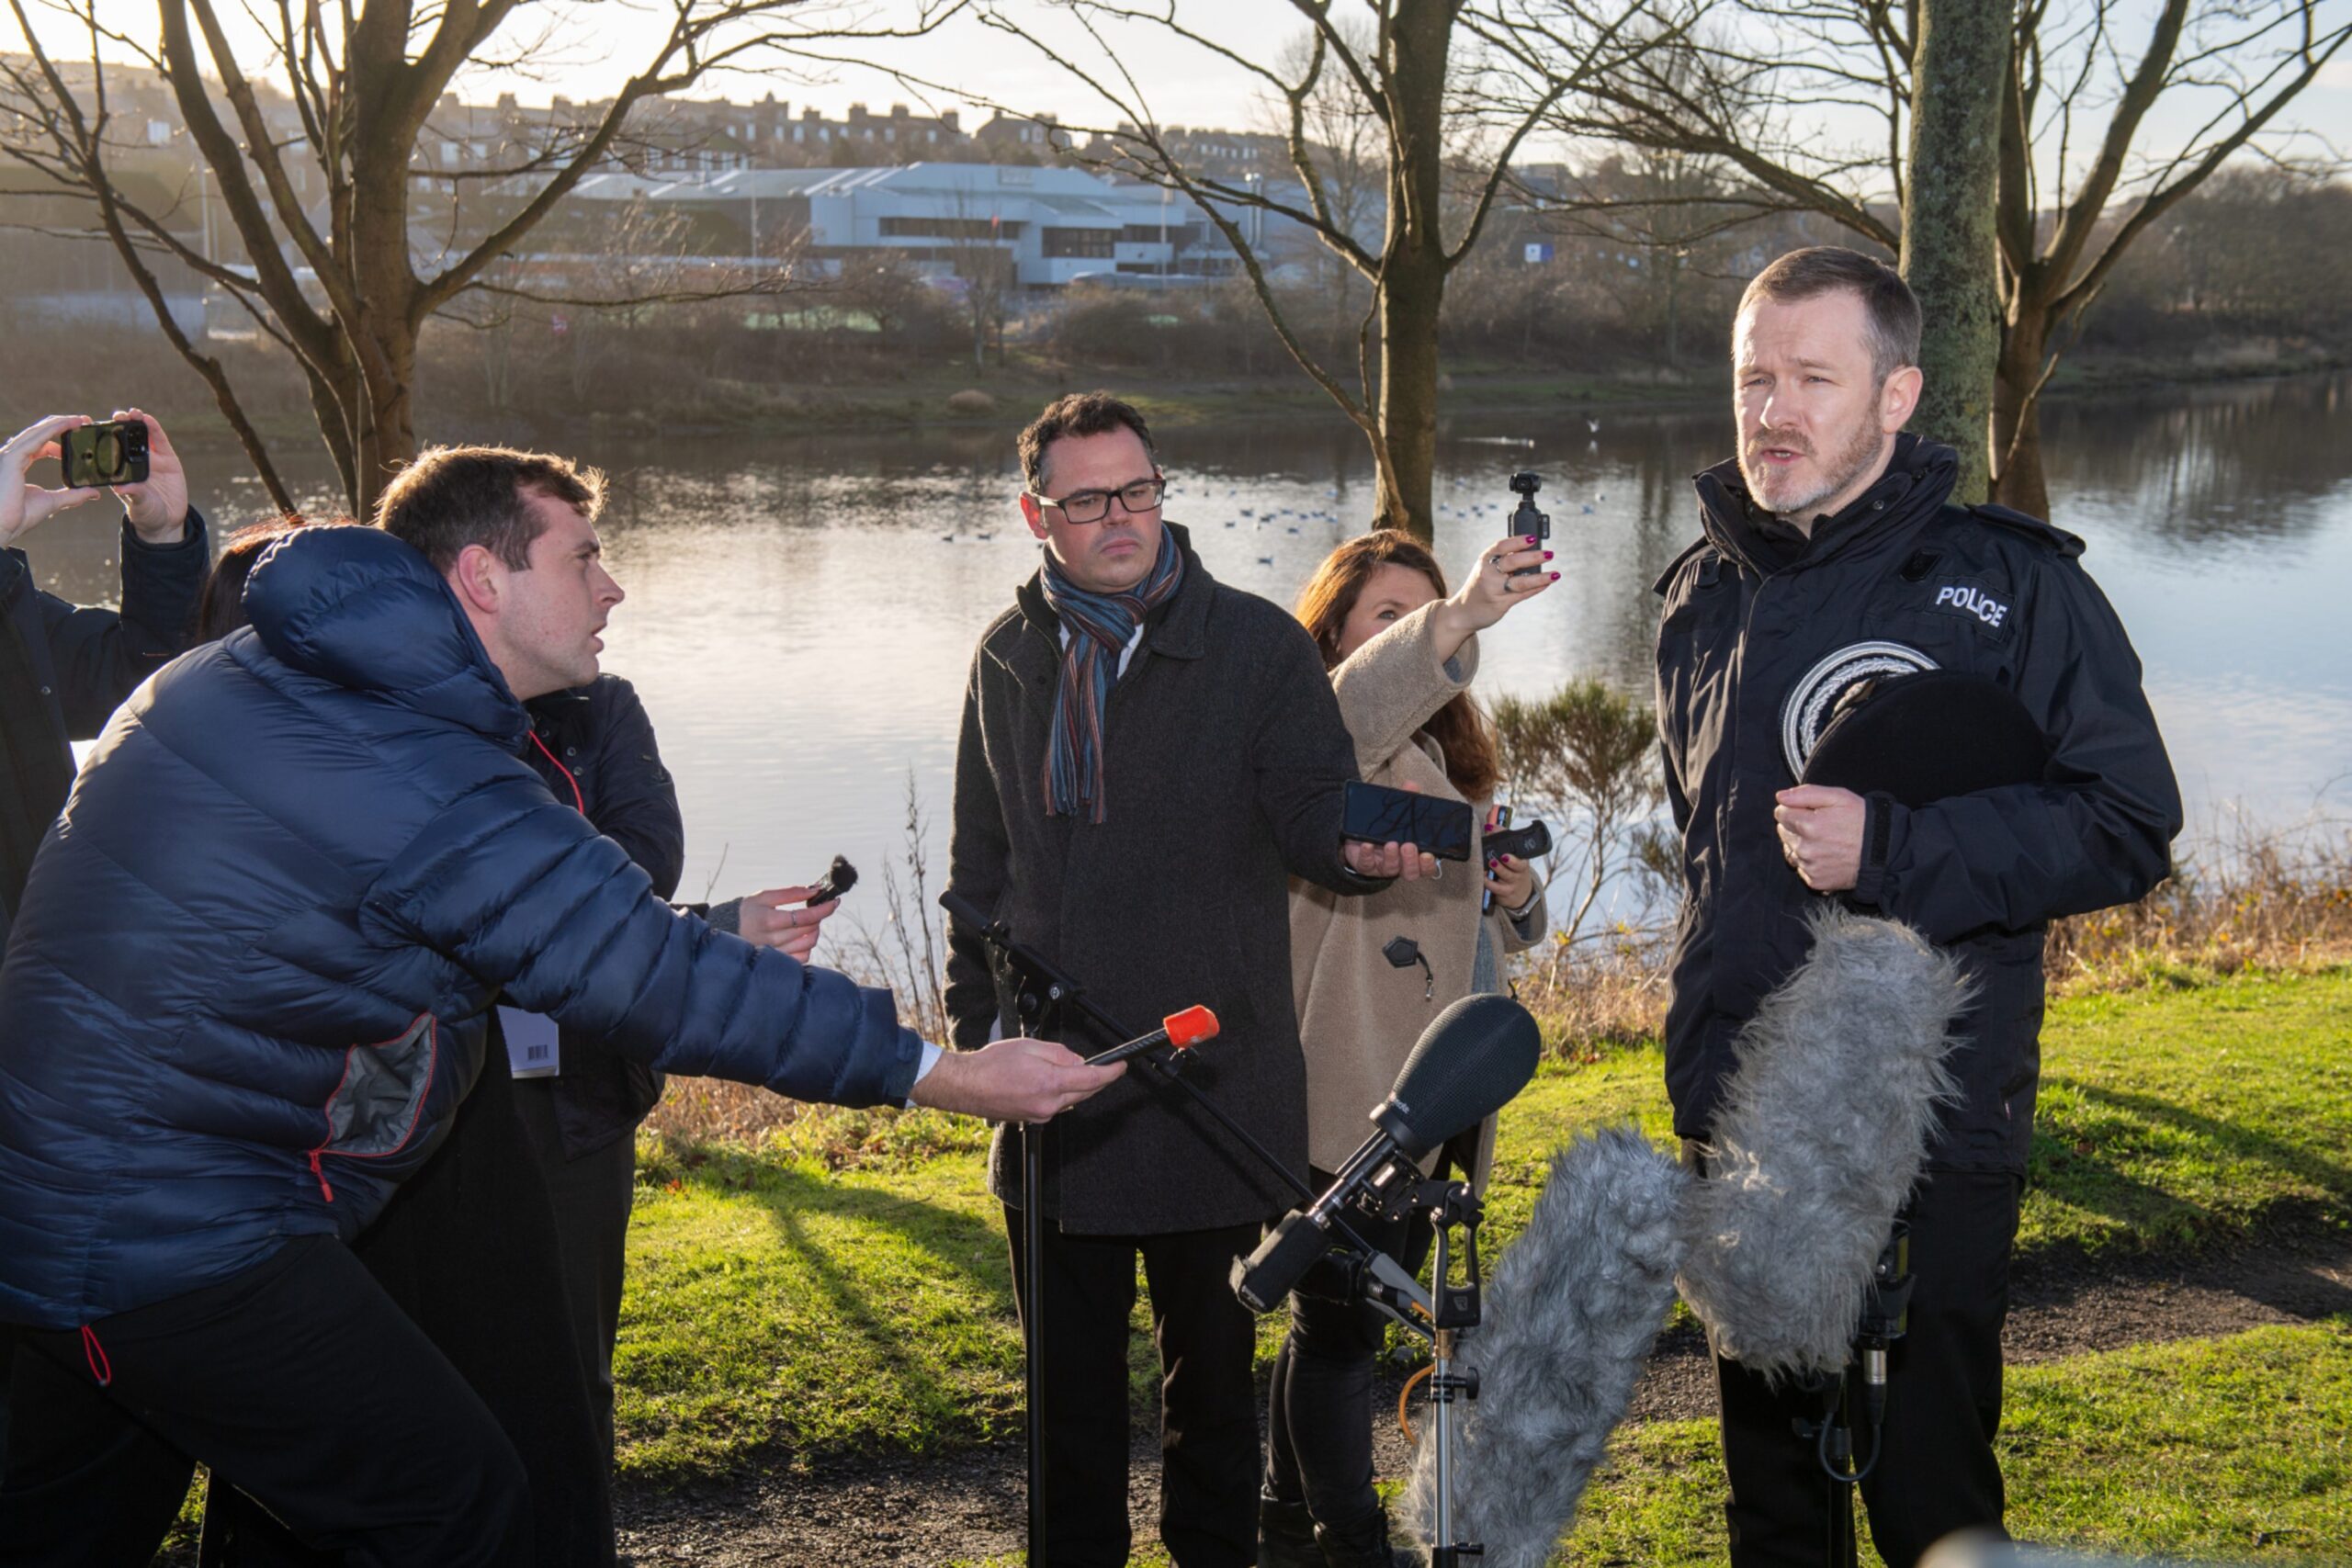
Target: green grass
<point>2169,1117</point>
<point>2231,1450</point>
<point>773,1303</point>
<point>2221,1448</point>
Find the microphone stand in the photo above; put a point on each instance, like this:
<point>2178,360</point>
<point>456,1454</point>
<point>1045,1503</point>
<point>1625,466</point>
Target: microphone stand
<point>1044,999</point>
<point>1885,1318</point>
<point>1438,1320</point>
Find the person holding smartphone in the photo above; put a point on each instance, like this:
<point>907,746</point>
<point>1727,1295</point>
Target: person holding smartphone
<point>1402,651</point>
<point>64,668</point>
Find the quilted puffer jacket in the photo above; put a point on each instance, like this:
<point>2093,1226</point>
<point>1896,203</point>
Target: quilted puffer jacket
<point>244,991</point>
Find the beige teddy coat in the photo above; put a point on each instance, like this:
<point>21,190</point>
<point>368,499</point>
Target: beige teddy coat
<point>1359,1017</point>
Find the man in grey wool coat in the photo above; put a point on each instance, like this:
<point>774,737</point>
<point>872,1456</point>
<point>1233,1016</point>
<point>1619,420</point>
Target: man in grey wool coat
<point>1147,757</point>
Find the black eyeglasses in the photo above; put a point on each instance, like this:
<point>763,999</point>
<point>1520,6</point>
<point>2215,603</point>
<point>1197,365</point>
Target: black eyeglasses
<point>1094,505</point>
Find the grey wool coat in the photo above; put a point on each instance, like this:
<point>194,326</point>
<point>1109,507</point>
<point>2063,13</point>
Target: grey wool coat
<point>1359,1015</point>
<point>1226,759</point>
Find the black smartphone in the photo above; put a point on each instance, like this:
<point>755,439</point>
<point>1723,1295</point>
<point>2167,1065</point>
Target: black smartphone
<point>1378,815</point>
<point>112,453</point>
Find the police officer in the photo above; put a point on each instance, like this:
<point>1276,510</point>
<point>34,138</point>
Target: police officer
<point>1833,555</point>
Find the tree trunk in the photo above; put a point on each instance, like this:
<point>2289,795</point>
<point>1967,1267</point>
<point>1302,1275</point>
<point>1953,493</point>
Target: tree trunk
<point>1949,254</point>
<point>1408,372</point>
<point>388,443</point>
<point>1412,280</point>
<point>2019,483</point>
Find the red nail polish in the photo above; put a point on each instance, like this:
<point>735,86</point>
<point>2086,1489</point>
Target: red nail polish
<point>1555,577</point>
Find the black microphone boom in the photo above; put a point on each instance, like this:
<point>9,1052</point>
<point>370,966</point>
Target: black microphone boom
<point>1466,1065</point>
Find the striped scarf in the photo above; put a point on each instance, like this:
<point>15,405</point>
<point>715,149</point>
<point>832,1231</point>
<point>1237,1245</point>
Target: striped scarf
<point>1098,626</point>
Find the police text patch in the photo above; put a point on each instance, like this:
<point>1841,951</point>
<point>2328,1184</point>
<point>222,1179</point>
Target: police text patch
<point>1973,600</point>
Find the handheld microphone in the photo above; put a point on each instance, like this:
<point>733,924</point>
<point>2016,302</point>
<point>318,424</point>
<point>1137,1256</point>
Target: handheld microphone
<point>1466,1065</point>
<point>1182,1030</point>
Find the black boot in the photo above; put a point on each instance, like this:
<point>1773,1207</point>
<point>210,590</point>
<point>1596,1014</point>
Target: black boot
<point>1286,1535</point>
<point>1362,1544</point>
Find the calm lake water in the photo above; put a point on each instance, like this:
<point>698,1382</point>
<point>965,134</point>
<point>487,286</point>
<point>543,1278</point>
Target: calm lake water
<point>801,612</point>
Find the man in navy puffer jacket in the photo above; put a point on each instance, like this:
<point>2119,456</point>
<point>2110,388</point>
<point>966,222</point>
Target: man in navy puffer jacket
<point>245,993</point>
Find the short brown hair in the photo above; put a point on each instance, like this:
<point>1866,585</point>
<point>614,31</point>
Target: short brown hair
<point>1887,302</point>
<point>455,496</point>
<point>1078,414</point>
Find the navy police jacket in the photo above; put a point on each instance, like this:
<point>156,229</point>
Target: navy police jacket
<point>246,985</point>
<point>1755,645</point>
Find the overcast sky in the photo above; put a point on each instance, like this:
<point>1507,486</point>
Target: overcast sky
<point>588,49</point>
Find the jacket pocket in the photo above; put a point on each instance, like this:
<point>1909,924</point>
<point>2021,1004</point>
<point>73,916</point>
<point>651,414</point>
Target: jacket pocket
<point>376,1106</point>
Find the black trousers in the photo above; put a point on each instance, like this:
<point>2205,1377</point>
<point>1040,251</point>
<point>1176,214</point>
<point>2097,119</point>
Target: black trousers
<point>1208,1416</point>
<point>1318,1408</point>
<point>1938,1473</point>
<point>299,1382</point>
<point>469,1250</point>
<point>591,1196</point>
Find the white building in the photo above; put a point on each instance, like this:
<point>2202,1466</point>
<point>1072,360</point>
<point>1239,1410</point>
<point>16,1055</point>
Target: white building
<point>1055,225</point>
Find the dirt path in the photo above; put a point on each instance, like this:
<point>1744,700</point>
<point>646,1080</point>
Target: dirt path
<point>969,1507</point>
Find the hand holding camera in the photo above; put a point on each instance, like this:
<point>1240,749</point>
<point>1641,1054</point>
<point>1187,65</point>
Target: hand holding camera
<point>1508,574</point>
<point>128,454</point>
<point>23,504</point>
<point>783,918</point>
<point>136,460</point>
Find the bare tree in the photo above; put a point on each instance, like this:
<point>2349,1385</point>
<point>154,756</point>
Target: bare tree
<point>985,270</point>
<point>1344,136</point>
<point>1426,73</point>
<point>2075,184</point>
<point>345,98</point>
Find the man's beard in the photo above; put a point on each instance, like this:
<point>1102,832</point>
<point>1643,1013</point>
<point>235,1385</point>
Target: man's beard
<point>1851,461</point>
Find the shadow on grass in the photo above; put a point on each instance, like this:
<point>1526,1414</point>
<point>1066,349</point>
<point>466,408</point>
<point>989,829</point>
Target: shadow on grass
<point>2082,1179</point>
<point>955,1240</point>
<point>2268,1248</point>
<point>2299,1160</point>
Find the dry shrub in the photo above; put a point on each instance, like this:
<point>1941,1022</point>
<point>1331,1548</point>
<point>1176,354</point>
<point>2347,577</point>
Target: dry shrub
<point>2243,898</point>
<point>713,1110</point>
<point>698,1114</point>
<point>1592,997</point>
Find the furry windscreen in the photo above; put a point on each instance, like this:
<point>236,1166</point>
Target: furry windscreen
<point>1824,1127</point>
<point>1568,1319</point>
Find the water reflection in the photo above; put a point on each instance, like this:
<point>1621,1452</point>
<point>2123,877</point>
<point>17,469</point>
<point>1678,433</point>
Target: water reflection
<point>802,611</point>
<point>2236,467</point>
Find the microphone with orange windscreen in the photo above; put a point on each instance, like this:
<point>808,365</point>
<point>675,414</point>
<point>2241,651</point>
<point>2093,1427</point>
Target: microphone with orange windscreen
<point>1181,1029</point>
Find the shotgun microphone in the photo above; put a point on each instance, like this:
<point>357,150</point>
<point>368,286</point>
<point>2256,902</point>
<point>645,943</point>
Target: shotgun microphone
<point>1182,1030</point>
<point>1468,1064</point>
